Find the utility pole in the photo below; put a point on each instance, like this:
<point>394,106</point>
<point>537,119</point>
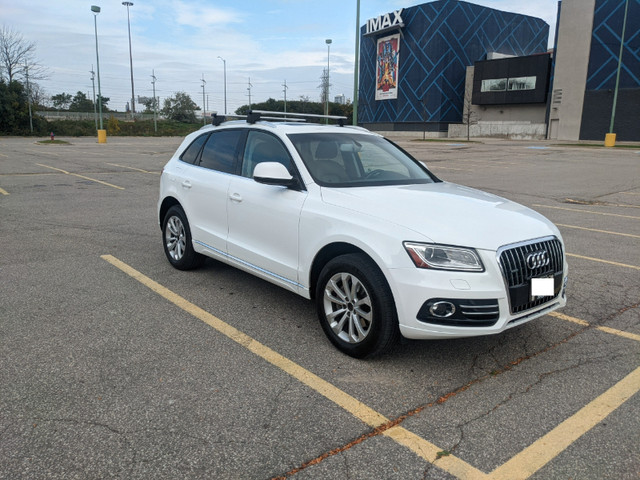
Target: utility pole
<point>249,89</point>
<point>285,95</point>
<point>93,84</point>
<point>155,102</point>
<point>204,121</point>
<point>133,98</point>
<point>356,66</point>
<point>26,69</point>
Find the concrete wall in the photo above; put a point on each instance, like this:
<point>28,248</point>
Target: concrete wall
<point>571,66</point>
<point>520,122</point>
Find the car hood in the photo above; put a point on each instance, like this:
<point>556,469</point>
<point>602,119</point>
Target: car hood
<point>445,213</point>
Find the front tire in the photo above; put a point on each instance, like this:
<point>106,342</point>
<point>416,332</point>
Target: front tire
<point>355,306</point>
<point>176,239</point>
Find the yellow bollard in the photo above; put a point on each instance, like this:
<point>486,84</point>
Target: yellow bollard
<point>102,136</point>
<point>610,140</point>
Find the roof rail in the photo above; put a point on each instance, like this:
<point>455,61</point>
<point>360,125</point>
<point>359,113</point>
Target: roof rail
<point>255,115</point>
<point>216,119</point>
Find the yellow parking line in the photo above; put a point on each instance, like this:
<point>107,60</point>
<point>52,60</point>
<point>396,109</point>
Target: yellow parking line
<point>599,231</point>
<point>612,331</point>
<point>3,192</point>
<point>418,445</point>
<point>81,176</point>
<point>133,168</point>
<point>587,211</point>
<point>617,264</point>
<point>548,447</point>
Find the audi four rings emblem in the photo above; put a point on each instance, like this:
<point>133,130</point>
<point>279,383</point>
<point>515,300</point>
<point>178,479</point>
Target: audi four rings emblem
<point>538,259</point>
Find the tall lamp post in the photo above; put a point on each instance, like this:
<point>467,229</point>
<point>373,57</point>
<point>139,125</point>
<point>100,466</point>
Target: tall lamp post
<point>357,66</point>
<point>224,63</point>
<point>326,108</point>
<point>133,101</point>
<point>610,138</point>
<point>102,137</point>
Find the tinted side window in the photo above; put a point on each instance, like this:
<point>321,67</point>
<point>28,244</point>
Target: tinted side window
<point>219,152</point>
<point>263,147</point>
<point>190,155</point>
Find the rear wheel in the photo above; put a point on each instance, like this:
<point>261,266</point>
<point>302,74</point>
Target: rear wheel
<point>355,306</point>
<point>176,238</point>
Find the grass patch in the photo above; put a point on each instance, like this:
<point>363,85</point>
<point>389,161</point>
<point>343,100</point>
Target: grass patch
<point>53,142</point>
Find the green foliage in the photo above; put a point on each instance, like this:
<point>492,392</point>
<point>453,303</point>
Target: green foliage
<point>300,106</point>
<point>80,103</point>
<point>61,101</point>
<point>113,126</point>
<point>87,128</point>
<point>14,111</point>
<point>180,108</point>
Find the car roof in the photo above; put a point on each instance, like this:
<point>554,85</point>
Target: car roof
<point>284,123</point>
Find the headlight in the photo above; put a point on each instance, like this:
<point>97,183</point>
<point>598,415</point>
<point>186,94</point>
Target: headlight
<point>444,257</point>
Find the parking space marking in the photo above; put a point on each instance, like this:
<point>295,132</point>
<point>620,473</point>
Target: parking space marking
<point>522,465</point>
<point>617,264</point>
<point>133,168</point>
<point>598,231</point>
<point>81,176</point>
<point>587,211</point>
<point>612,331</point>
<point>3,192</point>
<point>375,420</point>
<point>546,448</point>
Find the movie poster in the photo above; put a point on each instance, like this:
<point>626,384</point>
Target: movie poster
<point>387,67</point>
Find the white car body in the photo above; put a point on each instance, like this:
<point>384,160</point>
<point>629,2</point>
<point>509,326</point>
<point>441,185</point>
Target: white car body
<point>276,233</point>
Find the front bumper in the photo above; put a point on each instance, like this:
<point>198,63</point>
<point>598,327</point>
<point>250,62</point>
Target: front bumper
<point>415,290</point>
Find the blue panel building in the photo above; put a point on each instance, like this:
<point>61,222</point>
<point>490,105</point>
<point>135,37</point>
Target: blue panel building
<point>437,42</point>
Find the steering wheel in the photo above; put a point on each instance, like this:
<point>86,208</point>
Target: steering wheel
<point>374,174</point>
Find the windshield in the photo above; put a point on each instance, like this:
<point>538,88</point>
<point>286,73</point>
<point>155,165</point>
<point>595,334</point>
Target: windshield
<point>355,159</point>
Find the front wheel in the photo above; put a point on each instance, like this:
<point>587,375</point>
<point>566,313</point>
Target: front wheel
<point>356,307</point>
<point>176,238</point>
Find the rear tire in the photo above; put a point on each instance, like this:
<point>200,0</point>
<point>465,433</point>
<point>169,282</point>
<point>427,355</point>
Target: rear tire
<point>177,242</point>
<point>355,306</point>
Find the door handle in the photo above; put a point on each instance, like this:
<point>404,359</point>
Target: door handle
<point>186,184</point>
<point>235,197</point>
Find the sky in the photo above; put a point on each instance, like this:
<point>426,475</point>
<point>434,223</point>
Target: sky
<point>264,43</point>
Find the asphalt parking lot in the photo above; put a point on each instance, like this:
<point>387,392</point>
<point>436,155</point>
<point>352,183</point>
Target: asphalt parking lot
<point>116,365</point>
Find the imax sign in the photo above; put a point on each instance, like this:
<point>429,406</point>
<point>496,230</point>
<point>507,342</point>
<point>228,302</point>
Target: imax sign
<point>385,22</point>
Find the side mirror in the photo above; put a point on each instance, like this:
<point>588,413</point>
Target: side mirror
<point>273,173</point>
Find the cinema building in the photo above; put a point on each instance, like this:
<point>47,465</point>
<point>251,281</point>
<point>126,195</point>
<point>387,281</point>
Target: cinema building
<point>447,66</point>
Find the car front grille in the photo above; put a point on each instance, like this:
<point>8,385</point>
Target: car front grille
<point>520,263</point>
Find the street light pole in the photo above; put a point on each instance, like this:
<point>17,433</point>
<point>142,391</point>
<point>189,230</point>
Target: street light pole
<point>356,67</point>
<point>133,104</point>
<point>326,108</point>
<point>224,63</point>
<point>96,10</point>
<point>617,87</point>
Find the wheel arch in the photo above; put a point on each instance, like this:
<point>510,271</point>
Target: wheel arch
<point>325,255</point>
<point>166,204</point>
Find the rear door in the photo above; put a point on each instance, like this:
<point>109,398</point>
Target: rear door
<point>206,187</point>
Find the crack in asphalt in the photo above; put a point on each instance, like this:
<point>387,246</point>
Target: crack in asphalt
<point>444,398</point>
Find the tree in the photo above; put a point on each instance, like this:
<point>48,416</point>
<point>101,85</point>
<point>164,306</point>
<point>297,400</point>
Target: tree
<point>14,111</point>
<point>150,104</point>
<point>180,107</point>
<point>81,103</point>
<point>469,116</point>
<point>61,101</point>
<point>17,57</point>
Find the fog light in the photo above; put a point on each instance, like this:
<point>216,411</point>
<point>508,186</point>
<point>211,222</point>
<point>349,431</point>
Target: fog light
<point>564,287</point>
<point>442,309</point>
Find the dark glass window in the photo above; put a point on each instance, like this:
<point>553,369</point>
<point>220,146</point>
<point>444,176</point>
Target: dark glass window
<point>190,155</point>
<point>263,147</point>
<point>219,152</point>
